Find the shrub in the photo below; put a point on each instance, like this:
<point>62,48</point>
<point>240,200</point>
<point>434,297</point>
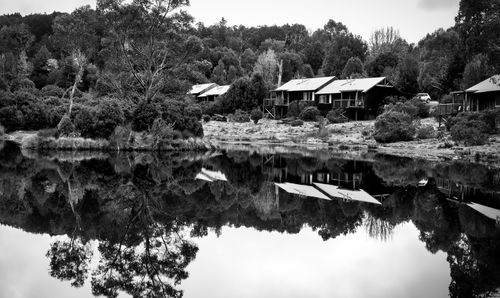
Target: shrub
<point>207,118</point>
<point>162,133</point>
<point>394,126</point>
<point>426,132</point>
<point>48,133</point>
<point>297,123</point>
<point>309,114</point>
<point>6,99</point>
<point>22,83</point>
<point>469,131</point>
<point>11,118</point>
<point>109,116</point>
<point>144,115</point>
<point>65,127</point>
<point>491,118</point>
<point>403,107</point>
<point>85,122</point>
<point>336,116</point>
<point>52,90</point>
<point>423,109</point>
<point>212,107</point>
<point>194,111</point>
<point>241,116</point>
<point>256,115</point>
<point>296,107</point>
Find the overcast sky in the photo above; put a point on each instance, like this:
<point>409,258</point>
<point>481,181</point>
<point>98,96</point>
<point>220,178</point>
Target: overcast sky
<point>414,18</point>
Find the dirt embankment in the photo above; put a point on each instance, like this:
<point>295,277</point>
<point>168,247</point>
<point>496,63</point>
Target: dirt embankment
<point>348,137</point>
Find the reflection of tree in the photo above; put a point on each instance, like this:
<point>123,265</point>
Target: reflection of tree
<point>69,261</point>
<point>378,228</point>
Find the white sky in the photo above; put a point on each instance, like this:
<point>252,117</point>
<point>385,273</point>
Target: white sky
<point>414,18</point>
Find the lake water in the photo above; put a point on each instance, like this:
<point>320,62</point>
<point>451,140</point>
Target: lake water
<point>238,224</point>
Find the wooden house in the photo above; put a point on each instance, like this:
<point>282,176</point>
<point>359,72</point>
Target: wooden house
<point>298,89</point>
<point>483,96</point>
<point>213,93</point>
<point>361,98</point>
<point>196,90</point>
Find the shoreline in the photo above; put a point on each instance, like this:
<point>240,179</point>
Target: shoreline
<point>347,139</point>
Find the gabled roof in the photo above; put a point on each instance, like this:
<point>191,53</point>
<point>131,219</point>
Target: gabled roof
<point>210,176</point>
<point>346,194</point>
<point>311,84</point>
<point>485,210</point>
<point>216,91</point>
<point>197,89</point>
<point>489,85</point>
<point>303,190</point>
<point>339,86</point>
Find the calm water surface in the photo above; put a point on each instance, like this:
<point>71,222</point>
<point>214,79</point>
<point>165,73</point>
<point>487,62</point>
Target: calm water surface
<point>240,224</point>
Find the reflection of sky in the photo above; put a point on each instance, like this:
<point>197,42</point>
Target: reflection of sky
<point>247,263</point>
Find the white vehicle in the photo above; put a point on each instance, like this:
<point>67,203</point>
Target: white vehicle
<point>425,97</point>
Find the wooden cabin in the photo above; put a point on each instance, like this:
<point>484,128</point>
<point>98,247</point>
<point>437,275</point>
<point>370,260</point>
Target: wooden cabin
<point>361,98</point>
<point>483,96</point>
<point>298,89</point>
<point>214,93</point>
<point>196,90</point>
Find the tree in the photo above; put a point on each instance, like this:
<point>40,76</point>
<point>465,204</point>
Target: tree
<point>267,67</point>
<point>386,40</point>
<point>353,68</point>
<point>314,55</point>
<point>151,40</point>
<point>340,50</point>
<point>40,67</point>
<point>219,74</point>
<point>477,70</point>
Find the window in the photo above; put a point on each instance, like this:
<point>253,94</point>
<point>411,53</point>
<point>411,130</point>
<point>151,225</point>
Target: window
<point>324,99</point>
<point>307,96</point>
<point>497,101</point>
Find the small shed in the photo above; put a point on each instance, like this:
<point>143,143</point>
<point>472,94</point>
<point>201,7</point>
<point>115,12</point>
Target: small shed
<point>214,93</point>
<point>483,96</point>
<point>196,90</point>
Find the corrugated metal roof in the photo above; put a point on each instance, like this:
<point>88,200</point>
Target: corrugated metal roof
<point>303,190</point>
<point>346,194</point>
<point>310,84</point>
<point>216,91</point>
<point>489,85</point>
<point>340,86</point>
<point>197,89</point>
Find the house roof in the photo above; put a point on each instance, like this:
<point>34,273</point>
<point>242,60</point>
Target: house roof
<point>489,85</point>
<point>346,194</point>
<point>210,176</point>
<point>197,89</point>
<point>311,84</point>
<point>216,91</point>
<point>303,190</point>
<point>339,86</point>
<point>485,210</point>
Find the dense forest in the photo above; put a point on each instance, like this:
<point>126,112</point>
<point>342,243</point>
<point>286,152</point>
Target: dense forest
<point>129,63</point>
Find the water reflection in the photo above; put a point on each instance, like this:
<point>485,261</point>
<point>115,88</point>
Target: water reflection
<point>144,210</point>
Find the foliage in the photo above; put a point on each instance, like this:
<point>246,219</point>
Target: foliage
<point>297,122</point>
<point>2,130</point>
<point>469,132</point>
<point>65,127</point>
<point>256,114</point>
<point>296,107</point>
<point>310,114</point>
<point>52,90</point>
<point>22,83</point>
<point>241,116</point>
<point>144,115</point>
<point>394,126</point>
<point>426,132</point>
<point>353,68</point>
<point>206,118</point>
<point>162,133</point>
<point>336,116</point>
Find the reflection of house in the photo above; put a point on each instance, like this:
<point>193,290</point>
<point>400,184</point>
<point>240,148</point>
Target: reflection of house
<point>490,212</point>
<point>347,194</point>
<point>211,176</point>
<point>483,96</point>
<point>213,93</point>
<point>360,97</point>
<point>196,90</point>
<point>302,190</point>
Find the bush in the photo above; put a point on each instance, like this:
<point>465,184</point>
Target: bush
<point>423,109</point>
<point>426,132</point>
<point>297,122</point>
<point>403,107</point>
<point>335,116</point>
<point>6,99</point>
<point>394,126</point>
<point>143,116</point>
<point>85,120</point>
<point>109,116</point>
<point>65,127</point>
<point>11,118</point>
<point>310,114</point>
<point>23,83</point>
<point>52,90</point>
<point>241,116</point>
<point>193,110</point>
<point>212,107</point>
<point>256,115</point>
<point>207,118</point>
<point>296,107</point>
<point>162,133</point>
<point>470,132</point>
